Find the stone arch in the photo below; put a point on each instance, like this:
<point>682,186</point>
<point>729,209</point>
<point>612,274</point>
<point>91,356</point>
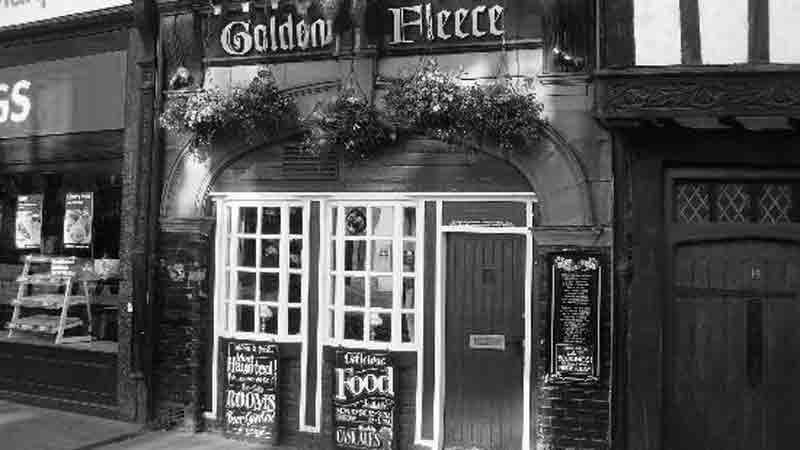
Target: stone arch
<point>550,166</point>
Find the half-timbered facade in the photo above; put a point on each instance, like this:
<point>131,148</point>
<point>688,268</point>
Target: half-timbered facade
<point>701,98</point>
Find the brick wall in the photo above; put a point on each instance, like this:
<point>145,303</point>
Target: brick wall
<point>571,414</point>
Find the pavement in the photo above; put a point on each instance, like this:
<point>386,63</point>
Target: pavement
<point>24,427</point>
<point>174,440</point>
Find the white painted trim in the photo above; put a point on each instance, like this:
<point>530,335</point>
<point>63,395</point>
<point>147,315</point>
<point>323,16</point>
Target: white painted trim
<point>527,363</point>
<point>379,196</point>
<point>304,322</point>
<point>419,321</point>
<point>219,273</point>
<point>439,372</point>
<point>472,229</point>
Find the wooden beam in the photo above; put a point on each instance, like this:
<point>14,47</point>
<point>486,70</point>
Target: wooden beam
<point>618,49</point>
<point>758,35</point>
<point>690,32</point>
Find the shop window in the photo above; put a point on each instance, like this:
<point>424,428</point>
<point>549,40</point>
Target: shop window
<point>374,275</point>
<point>266,270</point>
<point>569,35</point>
<point>696,202</point>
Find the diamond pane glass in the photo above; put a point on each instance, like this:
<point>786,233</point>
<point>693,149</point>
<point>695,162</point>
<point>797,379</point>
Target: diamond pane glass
<point>692,203</point>
<point>733,203</point>
<point>775,203</point>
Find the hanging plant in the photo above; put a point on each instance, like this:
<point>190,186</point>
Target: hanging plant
<point>348,123</point>
<point>436,102</point>
<point>257,111</point>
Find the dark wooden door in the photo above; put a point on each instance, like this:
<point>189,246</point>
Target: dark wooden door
<point>484,296</point>
<point>732,345</point>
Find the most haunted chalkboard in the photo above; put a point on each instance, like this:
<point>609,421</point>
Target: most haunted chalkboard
<point>574,326</point>
<point>363,400</point>
<point>250,390</point>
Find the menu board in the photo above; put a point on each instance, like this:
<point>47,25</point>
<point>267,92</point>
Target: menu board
<point>250,390</point>
<point>28,225</point>
<point>78,212</point>
<point>575,279</point>
<point>363,400</point>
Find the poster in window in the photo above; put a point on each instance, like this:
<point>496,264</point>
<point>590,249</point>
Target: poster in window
<point>250,390</point>
<point>78,213</point>
<point>576,296</point>
<point>28,225</point>
<point>363,400</point>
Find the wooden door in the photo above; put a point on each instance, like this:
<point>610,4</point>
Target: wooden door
<point>485,282</point>
<point>732,345</point>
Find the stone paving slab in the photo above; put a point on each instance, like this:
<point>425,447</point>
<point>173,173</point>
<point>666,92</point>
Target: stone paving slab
<point>173,440</point>
<point>24,427</point>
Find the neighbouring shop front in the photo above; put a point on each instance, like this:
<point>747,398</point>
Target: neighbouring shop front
<point>436,292</point>
<point>65,165</point>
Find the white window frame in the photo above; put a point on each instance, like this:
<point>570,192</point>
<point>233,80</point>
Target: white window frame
<point>223,298</point>
<point>327,239</point>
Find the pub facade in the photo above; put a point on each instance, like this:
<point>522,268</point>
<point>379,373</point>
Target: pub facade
<point>440,293</point>
<point>74,80</point>
<point>701,101</point>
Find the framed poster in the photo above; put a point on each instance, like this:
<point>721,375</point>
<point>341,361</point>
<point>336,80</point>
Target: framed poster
<point>363,400</point>
<point>575,318</point>
<point>250,390</point>
<point>28,223</point>
<point>78,215</point>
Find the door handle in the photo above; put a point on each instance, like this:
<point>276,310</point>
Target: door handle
<point>755,342</point>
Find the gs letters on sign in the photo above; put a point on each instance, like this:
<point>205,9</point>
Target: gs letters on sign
<point>15,103</point>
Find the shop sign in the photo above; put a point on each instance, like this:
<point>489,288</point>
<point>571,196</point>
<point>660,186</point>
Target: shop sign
<point>424,22</point>
<point>78,214</point>
<point>16,12</point>
<point>363,400</point>
<point>71,95</point>
<point>484,214</point>
<point>29,221</point>
<point>576,297</point>
<point>250,390</point>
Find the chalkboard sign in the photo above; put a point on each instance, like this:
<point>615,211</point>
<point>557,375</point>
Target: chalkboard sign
<point>576,291</point>
<point>363,400</point>
<point>250,390</point>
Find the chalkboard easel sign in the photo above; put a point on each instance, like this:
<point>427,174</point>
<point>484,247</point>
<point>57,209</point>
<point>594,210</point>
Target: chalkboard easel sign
<point>574,320</point>
<point>363,401</point>
<point>250,390</point>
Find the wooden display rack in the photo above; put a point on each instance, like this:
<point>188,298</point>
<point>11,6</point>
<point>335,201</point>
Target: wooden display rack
<point>51,323</point>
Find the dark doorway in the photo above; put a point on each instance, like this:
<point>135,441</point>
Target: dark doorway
<point>733,340</point>
<point>485,286</point>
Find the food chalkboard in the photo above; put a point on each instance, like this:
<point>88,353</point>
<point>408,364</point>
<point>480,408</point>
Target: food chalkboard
<point>363,400</point>
<point>575,279</point>
<point>250,390</point>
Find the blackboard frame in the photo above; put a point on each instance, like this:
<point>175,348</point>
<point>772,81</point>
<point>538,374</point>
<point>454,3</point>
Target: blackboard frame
<point>223,388</point>
<point>575,261</point>
<point>337,363</point>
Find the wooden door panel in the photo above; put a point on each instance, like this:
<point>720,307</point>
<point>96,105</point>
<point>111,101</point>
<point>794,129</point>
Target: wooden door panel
<point>484,295</point>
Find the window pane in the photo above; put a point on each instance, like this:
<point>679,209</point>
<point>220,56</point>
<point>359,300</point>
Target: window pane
<point>409,252</point>
<point>271,221</point>
<point>355,221</point>
<point>409,221</point>
<point>294,320</point>
<point>334,213</point>
<point>269,287</point>
<point>227,316</point>
<point>295,286</point>
<point>331,323</point>
<point>228,219</point>
<point>332,297</point>
<point>380,295</point>
<point>354,291</point>
<point>408,327</point>
<point>381,256</point>
<point>333,256</point>
<point>354,325</point>
<point>245,318</point>
<point>247,253</point>
<point>246,286</point>
<point>380,327</point>
<point>295,253</point>
<point>248,220</point>
<point>228,293</point>
<point>382,221</point>
<point>408,293</point>
<point>227,252</point>
<point>270,253</point>
<point>296,220</point>
<point>268,319</point>
<point>355,253</point>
